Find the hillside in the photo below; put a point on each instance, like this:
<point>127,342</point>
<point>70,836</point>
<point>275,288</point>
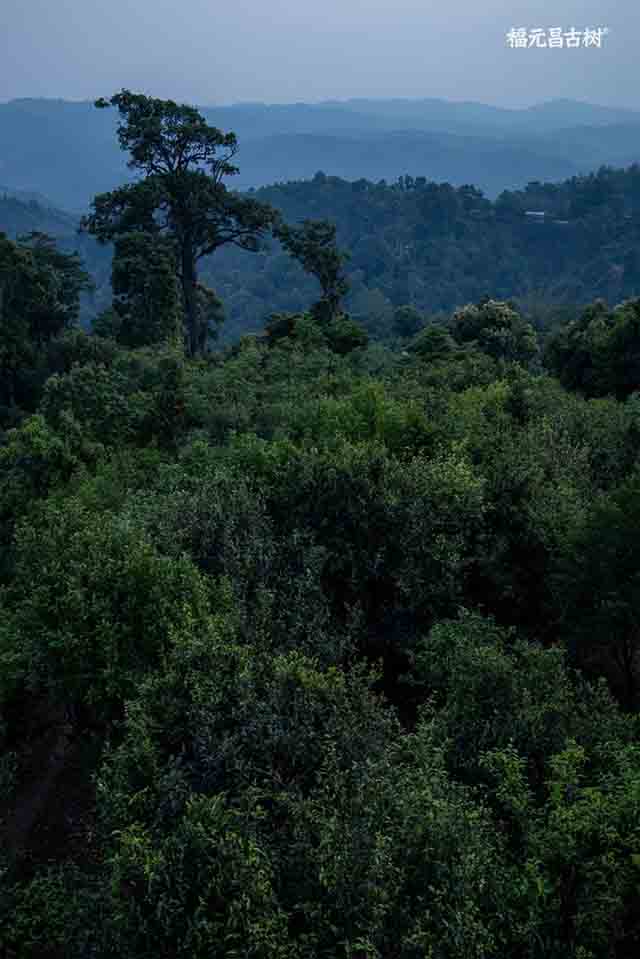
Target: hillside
<point>413,242</point>
<point>323,644</point>
<point>437,247</point>
<point>302,648</point>
<point>460,142</point>
<point>492,164</point>
<point>21,214</point>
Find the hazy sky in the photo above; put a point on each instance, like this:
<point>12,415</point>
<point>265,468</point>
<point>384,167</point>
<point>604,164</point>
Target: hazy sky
<point>224,51</point>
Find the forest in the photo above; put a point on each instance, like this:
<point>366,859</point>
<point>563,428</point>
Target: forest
<point>413,242</point>
<point>437,247</point>
<point>324,642</point>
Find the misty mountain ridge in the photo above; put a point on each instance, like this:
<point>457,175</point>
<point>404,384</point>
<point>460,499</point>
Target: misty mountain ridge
<point>493,165</point>
<point>461,142</point>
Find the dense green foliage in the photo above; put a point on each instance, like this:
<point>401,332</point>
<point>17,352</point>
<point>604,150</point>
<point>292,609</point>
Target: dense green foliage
<point>598,353</point>
<point>40,290</point>
<point>315,647</point>
<point>436,247</point>
<point>417,244</point>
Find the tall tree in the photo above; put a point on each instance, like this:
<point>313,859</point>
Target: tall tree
<point>183,162</point>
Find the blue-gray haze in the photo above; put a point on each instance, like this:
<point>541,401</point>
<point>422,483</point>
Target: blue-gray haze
<point>216,52</point>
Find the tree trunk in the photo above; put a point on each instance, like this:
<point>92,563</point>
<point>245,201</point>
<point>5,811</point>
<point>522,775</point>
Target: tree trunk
<point>190,294</point>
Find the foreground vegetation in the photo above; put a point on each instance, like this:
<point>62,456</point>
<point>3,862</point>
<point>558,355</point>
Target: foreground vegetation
<point>312,647</point>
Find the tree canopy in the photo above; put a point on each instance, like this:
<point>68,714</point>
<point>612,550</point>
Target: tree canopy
<point>317,645</point>
<point>181,194</point>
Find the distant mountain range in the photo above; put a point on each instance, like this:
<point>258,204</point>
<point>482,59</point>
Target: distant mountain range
<point>67,151</point>
<point>22,211</point>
